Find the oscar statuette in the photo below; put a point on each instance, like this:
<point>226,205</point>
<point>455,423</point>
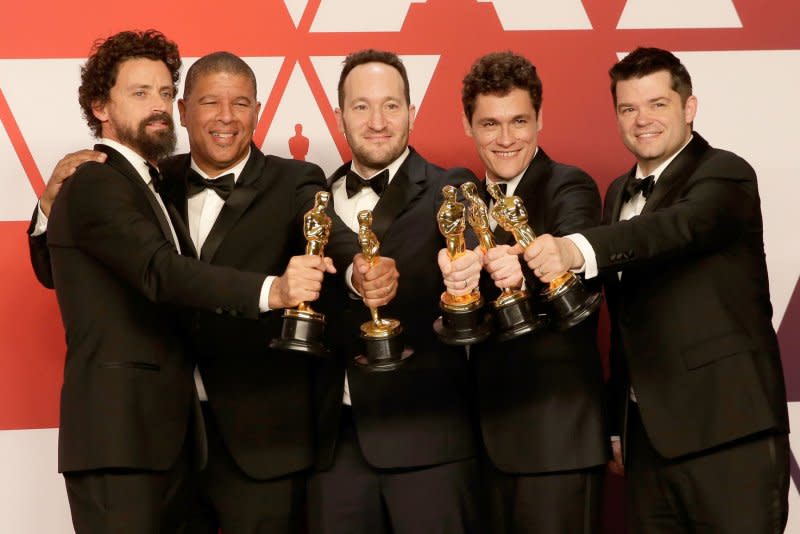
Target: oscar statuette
<point>302,327</point>
<point>569,299</point>
<point>512,312</point>
<point>462,321</point>
<point>383,344</point>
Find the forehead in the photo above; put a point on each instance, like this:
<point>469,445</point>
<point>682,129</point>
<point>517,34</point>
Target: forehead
<point>373,80</point>
<point>514,103</point>
<point>143,71</point>
<point>648,86</point>
<point>218,82</point>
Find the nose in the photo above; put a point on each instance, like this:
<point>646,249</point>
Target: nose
<point>225,111</point>
<point>376,119</point>
<point>505,137</point>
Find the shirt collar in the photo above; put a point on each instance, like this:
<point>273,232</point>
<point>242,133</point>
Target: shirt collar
<point>393,166</point>
<point>511,185</point>
<point>660,169</point>
<point>236,170</point>
<point>135,159</point>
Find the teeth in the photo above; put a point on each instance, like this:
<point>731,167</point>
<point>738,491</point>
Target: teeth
<point>223,135</point>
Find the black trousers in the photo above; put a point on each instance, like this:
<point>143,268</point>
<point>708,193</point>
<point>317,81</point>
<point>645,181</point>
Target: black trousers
<point>355,498</point>
<point>133,501</point>
<point>738,488</point>
<point>229,499</point>
<point>565,502</point>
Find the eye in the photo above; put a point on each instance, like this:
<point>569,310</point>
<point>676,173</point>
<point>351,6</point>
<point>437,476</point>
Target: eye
<point>167,95</point>
<point>360,107</point>
<point>139,92</point>
<point>392,106</point>
<point>520,121</point>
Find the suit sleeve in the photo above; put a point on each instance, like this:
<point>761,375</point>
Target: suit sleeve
<point>717,205</point>
<point>39,253</point>
<point>574,203</point>
<point>109,219</point>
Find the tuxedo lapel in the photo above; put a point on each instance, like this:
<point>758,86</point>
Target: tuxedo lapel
<point>616,196</point>
<point>678,172</point>
<point>118,161</point>
<point>248,187</point>
<point>173,192</point>
<point>407,184</point>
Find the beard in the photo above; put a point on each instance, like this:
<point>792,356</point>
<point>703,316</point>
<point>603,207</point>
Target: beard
<point>151,146</point>
<point>372,158</point>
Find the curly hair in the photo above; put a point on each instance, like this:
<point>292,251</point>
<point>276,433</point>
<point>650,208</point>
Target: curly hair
<point>99,74</point>
<point>644,61</point>
<point>372,56</point>
<point>498,73</point>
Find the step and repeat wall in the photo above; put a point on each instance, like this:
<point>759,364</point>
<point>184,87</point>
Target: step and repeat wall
<point>744,60</point>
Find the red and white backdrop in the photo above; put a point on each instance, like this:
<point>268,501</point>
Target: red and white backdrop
<point>744,57</point>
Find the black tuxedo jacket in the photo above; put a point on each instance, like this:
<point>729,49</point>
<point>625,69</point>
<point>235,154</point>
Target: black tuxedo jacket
<point>418,415</point>
<point>691,316</point>
<point>541,396</point>
<point>260,398</point>
<point>128,393</point>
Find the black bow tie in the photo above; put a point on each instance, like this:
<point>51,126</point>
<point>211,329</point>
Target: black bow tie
<point>222,185</point>
<point>635,185</point>
<point>354,183</point>
<point>502,185</point>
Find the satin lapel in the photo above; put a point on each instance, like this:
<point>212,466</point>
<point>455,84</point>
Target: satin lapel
<point>407,184</point>
<point>616,195</point>
<point>173,192</point>
<point>118,161</point>
<point>248,187</point>
<point>678,172</point>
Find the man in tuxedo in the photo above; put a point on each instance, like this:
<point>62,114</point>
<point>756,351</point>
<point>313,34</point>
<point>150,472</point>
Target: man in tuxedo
<point>128,435</point>
<point>396,449</point>
<point>233,206</point>
<point>695,364</point>
<point>540,396</point>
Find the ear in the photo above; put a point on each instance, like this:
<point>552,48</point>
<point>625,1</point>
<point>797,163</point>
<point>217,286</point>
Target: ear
<point>412,116</point>
<point>539,120</point>
<point>690,109</point>
<point>465,123</point>
<point>182,111</point>
<point>100,110</point>
<point>339,121</point>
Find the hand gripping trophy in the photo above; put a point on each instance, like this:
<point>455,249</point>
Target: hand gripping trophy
<point>303,327</point>
<point>512,309</point>
<point>382,340</point>
<point>462,321</point>
<point>567,296</point>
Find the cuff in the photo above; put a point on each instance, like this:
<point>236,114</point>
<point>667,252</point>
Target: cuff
<point>348,279</point>
<point>589,267</point>
<point>263,299</point>
<point>41,221</point>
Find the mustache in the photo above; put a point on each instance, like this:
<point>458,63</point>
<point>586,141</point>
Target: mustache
<point>159,116</point>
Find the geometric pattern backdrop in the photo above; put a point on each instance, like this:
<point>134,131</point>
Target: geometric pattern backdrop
<point>744,60</point>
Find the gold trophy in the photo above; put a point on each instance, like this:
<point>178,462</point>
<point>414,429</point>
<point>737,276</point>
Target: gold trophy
<point>303,327</point>
<point>512,309</point>
<point>382,340</point>
<point>462,321</point>
<point>567,296</point>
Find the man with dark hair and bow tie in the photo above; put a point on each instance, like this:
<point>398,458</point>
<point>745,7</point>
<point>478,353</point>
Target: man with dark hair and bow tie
<point>232,205</point>
<point>696,372</point>
<point>396,449</point>
<point>540,396</point>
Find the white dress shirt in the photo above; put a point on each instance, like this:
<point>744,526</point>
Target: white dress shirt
<point>347,209</point>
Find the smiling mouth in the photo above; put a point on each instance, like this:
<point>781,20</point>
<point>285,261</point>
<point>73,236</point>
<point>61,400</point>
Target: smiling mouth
<point>505,154</point>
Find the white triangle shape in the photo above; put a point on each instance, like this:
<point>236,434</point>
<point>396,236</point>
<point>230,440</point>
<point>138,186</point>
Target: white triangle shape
<point>639,14</point>
<point>296,9</point>
<point>266,70</point>
<point>361,15</point>
<point>298,106</point>
<point>420,69</point>
<point>18,198</point>
<point>541,14</point>
<point>43,96</point>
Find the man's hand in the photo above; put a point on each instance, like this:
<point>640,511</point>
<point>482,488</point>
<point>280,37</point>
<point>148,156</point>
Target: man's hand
<point>615,465</point>
<point>377,284</point>
<point>549,257</point>
<point>301,282</point>
<point>461,275</point>
<point>64,169</point>
<point>504,266</point>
